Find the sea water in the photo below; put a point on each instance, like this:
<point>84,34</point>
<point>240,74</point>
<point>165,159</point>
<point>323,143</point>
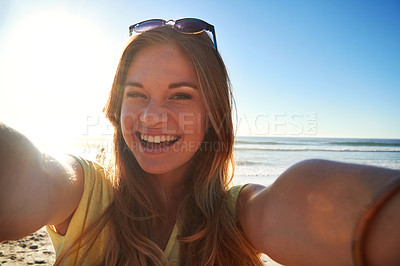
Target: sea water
<point>263,159</point>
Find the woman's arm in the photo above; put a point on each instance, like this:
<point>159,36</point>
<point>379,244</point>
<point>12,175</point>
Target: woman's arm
<point>310,214</point>
<point>35,189</point>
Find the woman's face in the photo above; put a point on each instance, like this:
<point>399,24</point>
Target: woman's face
<point>163,118</point>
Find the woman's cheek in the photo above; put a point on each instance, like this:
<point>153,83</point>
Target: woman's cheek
<point>128,118</point>
<point>127,124</point>
<point>191,122</point>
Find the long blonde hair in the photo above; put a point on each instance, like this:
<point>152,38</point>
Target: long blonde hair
<point>209,233</point>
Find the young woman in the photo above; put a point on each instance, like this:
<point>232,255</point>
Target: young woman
<point>167,200</point>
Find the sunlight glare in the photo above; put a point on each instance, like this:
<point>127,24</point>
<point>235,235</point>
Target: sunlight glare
<point>58,68</point>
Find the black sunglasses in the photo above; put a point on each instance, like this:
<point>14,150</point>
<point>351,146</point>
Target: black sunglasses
<point>183,25</point>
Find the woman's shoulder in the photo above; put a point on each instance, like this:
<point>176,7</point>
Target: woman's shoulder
<point>94,174</point>
<point>240,195</point>
<point>95,189</point>
<point>97,179</point>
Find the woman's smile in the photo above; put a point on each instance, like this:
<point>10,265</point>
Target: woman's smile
<point>156,143</point>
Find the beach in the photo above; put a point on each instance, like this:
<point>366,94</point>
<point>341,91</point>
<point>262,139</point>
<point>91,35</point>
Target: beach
<point>36,249</point>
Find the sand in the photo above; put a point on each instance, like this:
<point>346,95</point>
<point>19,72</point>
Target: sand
<point>36,249</point>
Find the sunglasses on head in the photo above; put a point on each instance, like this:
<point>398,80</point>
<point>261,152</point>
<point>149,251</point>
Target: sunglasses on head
<point>183,25</point>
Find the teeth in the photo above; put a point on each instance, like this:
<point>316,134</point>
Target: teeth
<point>157,139</point>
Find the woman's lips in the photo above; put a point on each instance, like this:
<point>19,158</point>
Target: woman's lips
<point>155,142</point>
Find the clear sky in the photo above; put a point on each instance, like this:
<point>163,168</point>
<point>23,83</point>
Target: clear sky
<point>298,68</point>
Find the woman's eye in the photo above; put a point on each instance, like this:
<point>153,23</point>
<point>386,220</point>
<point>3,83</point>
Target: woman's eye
<point>135,95</point>
<point>181,96</point>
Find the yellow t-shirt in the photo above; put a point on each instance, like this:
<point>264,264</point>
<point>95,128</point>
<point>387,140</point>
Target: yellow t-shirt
<point>96,197</point>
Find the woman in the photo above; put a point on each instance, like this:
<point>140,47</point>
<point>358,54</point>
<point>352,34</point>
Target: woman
<point>167,200</point>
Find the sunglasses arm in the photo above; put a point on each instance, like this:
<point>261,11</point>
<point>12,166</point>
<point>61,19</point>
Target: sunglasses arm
<point>211,28</point>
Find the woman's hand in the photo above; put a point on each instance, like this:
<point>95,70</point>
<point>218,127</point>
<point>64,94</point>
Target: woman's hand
<point>35,189</point>
<point>309,215</point>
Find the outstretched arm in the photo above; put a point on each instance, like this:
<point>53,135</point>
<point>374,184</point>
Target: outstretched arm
<point>309,216</point>
<point>35,189</point>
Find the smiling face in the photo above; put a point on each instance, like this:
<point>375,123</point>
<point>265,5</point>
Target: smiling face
<point>163,118</point>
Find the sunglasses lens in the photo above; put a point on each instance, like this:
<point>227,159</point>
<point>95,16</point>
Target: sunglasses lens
<point>148,25</point>
<point>184,25</point>
<point>190,25</point>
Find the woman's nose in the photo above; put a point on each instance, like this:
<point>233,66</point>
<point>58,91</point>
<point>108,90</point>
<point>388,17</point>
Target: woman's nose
<point>153,114</point>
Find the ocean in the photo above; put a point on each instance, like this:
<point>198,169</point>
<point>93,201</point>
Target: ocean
<point>262,159</point>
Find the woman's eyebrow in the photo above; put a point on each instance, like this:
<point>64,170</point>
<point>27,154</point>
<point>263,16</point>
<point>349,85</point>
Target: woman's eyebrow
<point>182,84</point>
<point>133,84</point>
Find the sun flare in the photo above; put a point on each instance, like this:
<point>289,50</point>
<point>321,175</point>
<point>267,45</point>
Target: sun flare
<point>58,69</point>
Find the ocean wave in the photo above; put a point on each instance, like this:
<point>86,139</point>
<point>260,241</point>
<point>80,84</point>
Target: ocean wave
<point>320,142</point>
<point>246,163</point>
<point>366,143</point>
<point>327,149</point>
<point>257,142</point>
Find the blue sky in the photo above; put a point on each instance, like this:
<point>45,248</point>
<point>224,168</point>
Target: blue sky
<point>298,68</point>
